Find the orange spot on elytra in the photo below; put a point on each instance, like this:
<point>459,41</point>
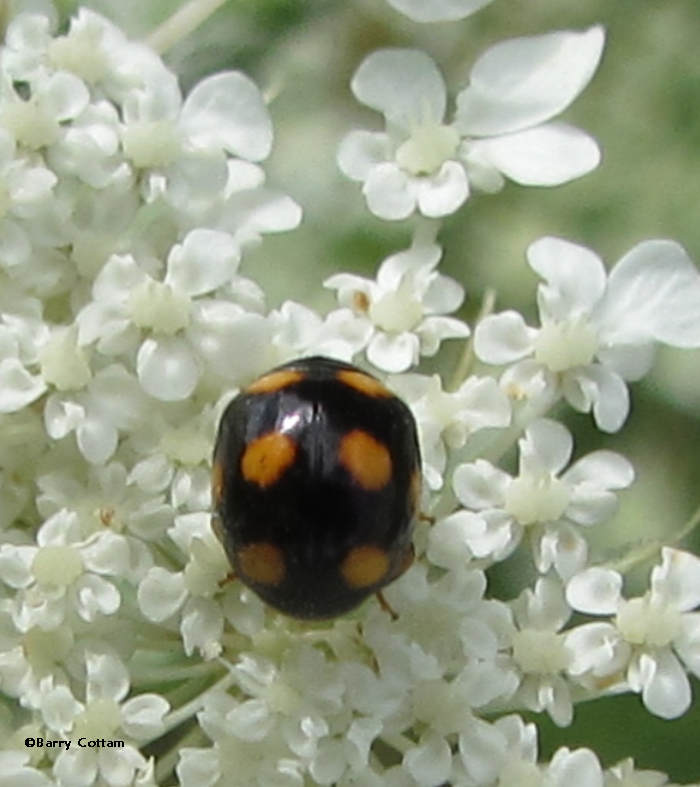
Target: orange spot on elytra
<point>267,457</point>
<point>364,566</point>
<point>262,562</point>
<point>364,383</point>
<point>275,381</point>
<point>366,459</point>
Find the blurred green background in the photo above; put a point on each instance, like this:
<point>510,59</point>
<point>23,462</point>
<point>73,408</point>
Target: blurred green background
<point>644,108</point>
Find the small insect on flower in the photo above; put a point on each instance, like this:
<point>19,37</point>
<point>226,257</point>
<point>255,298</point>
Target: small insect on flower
<point>316,485</point>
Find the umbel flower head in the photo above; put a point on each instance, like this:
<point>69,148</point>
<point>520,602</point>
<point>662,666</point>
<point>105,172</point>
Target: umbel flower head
<point>421,162</point>
<point>131,313</point>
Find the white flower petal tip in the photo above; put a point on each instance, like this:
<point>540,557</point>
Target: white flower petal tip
<point>399,82</point>
<point>438,10</point>
<point>519,83</point>
<point>595,590</point>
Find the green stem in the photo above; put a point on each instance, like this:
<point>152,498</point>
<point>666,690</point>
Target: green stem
<point>651,549</point>
<point>183,22</point>
<point>184,712</point>
<point>165,765</point>
<point>171,674</point>
<point>466,361</point>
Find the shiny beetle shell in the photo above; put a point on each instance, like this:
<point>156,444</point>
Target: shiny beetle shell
<point>316,484</point>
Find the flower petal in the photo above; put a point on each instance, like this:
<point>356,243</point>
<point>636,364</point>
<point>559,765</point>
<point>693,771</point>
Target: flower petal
<point>443,192</point>
<point>595,591</point>
<point>596,648</point>
<point>393,352</point>
<point>204,260</point>
<point>437,10</point>
<point>562,547</point>
<point>404,84</point>
<point>161,593</point>
<point>202,626</point>
<point>430,762</point>
<point>546,155</point>
<point>596,387</point>
<point>524,81</point>
<point>579,768</point>
<point>606,469</point>
<point>653,293</point>
<point>503,338</point>
<point>97,439</point>
<point>18,387</point>
<point>432,330</point>
<point>666,693</point>
<point>677,580</point>
<point>142,716</point>
<point>227,110</point>
<point>575,277</point>
<point>63,95</point>
<point>234,343</point>
<point>479,485</point>
<point>545,448</point>
<point>95,596</point>
<point>107,677</point>
<point>167,368</point>
<point>388,193</point>
<point>360,151</point>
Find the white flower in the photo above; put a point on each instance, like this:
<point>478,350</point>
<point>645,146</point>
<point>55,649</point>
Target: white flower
<point>656,636</point>
<point>421,162</point>
<point>103,714</point>
<point>94,50</point>
<point>624,774</point>
<point>55,99</point>
<point>540,652</point>
<point>89,148</point>
<point>188,333</point>
<point>446,419</point>
<point>183,146</point>
<point>578,768</point>
<point>24,185</point>
<point>504,752</point>
<point>190,593</point>
<point>108,497</point>
<point>15,769</point>
<point>596,331</point>
<point>549,503</point>
<point>405,306</point>
<point>26,657</point>
<point>22,333</point>
<point>112,401</point>
<point>246,208</point>
<point>176,456</point>
<point>64,573</point>
<point>284,718</point>
<point>300,331</point>
<point>445,627</point>
<point>437,10</point>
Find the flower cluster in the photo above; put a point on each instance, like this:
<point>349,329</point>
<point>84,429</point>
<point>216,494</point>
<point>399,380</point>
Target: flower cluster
<point>422,163</point>
<point>127,211</point>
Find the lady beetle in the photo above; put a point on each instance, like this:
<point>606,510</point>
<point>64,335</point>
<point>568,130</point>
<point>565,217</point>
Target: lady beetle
<point>316,483</point>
